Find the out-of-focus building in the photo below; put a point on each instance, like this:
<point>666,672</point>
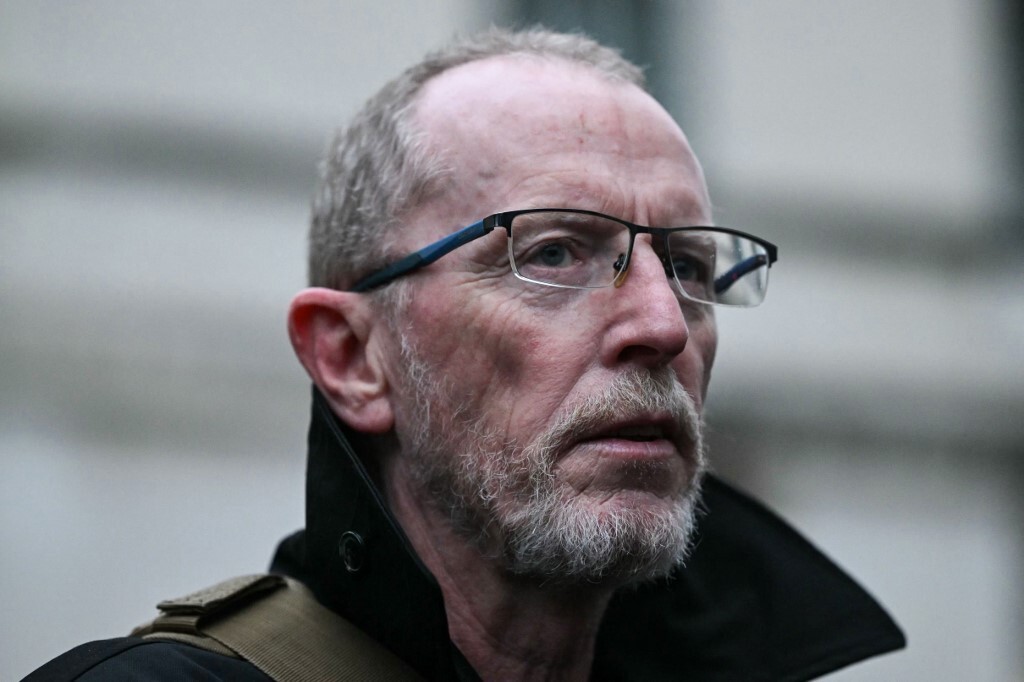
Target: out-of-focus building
<point>155,165</point>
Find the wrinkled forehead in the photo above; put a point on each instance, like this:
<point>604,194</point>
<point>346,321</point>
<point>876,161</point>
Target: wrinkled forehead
<point>526,132</point>
<point>521,100</point>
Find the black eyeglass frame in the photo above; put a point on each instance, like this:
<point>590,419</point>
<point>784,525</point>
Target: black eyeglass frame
<point>442,247</point>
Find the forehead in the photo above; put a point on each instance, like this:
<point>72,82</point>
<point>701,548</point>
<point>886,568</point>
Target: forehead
<point>526,92</point>
<point>524,131</point>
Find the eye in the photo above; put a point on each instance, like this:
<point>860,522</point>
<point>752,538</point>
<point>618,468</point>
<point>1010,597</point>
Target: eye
<point>688,268</point>
<point>566,249</point>
<point>555,252</point>
<point>552,255</point>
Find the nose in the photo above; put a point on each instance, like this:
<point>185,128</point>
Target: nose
<point>646,322</point>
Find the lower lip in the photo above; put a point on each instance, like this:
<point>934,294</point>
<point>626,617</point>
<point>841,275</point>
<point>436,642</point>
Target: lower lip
<point>620,465</point>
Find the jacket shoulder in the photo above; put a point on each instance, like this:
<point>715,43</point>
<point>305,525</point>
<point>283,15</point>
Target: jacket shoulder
<point>143,660</point>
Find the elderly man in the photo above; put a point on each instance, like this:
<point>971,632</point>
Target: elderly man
<point>511,330</point>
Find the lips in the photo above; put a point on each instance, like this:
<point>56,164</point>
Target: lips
<point>631,450</point>
<point>637,416</point>
<point>638,429</point>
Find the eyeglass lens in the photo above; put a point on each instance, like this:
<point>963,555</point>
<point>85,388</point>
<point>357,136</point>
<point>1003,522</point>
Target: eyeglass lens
<point>577,250</point>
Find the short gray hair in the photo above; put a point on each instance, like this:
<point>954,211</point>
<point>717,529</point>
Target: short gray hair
<point>379,167</point>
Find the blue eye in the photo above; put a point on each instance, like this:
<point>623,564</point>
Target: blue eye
<point>553,255</point>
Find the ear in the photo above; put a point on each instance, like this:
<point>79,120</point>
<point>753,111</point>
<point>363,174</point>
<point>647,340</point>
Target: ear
<point>336,338</point>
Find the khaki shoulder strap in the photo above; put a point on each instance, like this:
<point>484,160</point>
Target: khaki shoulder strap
<point>276,624</point>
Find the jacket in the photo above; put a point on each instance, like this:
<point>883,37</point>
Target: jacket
<point>755,601</point>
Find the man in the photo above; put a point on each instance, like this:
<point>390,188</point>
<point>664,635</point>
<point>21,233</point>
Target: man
<point>506,455</point>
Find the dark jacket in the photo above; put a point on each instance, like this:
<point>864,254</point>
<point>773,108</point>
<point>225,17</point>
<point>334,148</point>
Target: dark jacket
<point>755,601</point>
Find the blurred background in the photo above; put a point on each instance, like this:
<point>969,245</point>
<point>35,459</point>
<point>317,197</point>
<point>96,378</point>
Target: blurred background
<point>155,165</point>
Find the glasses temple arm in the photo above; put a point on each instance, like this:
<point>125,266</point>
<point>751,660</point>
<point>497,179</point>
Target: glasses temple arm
<point>423,257</point>
<point>745,266</point>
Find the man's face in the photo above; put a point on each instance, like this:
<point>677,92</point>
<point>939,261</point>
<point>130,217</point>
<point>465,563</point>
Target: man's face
<point>536,406</point>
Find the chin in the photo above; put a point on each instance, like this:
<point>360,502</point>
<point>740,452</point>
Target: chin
<point>630,500</point>
<point>629,536</point>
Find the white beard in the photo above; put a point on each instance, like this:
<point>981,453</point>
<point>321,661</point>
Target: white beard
<point>505,499</point>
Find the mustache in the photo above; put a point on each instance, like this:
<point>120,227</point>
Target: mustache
<point>636,393</point>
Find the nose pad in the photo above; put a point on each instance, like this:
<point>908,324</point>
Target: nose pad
<point>621,271</point>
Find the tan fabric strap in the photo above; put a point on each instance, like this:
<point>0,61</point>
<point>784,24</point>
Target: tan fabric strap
<point>276,624</point>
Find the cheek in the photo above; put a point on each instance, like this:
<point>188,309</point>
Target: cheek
<point>693,366</point>
<point>489,349</point>
<point>512,362</point>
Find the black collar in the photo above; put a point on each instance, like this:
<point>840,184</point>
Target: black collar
<point>755,601</point>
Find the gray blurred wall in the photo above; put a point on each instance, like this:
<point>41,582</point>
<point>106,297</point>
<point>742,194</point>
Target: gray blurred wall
<point>155,165</point>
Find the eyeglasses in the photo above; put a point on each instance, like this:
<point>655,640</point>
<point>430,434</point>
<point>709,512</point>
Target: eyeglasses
<point>576,249</point>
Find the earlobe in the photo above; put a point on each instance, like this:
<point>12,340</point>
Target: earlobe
<point>333,333</point>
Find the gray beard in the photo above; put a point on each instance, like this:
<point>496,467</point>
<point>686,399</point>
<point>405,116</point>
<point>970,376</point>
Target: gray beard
<point>504,498</point>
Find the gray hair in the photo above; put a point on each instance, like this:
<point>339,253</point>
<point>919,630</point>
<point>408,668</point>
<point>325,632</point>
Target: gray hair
<point>380,166</point>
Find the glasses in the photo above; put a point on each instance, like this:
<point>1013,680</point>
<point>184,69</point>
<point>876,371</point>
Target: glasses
<point>575,249</point>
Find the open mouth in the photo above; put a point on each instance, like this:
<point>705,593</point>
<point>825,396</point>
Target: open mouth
<point>639,431</point>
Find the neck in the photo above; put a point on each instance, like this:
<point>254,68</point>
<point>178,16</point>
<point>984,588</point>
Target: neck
<point>508,627</point>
